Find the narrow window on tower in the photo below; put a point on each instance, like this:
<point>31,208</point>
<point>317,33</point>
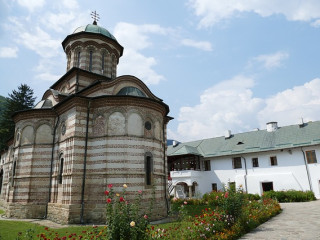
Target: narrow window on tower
<point>90,61</point>
<point>78,59</point>
<point>13,172</point>
<point>1,179</point>
<point>148,169</point>
<point>60,170</point>
<point>102,63</point>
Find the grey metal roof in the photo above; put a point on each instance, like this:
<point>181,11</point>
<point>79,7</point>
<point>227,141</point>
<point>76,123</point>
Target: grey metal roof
<point>255,141</point>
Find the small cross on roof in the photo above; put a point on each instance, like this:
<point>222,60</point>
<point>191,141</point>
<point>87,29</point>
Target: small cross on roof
<point>95,17</point>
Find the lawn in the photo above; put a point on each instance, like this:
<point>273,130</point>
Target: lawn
<point>11,229</point>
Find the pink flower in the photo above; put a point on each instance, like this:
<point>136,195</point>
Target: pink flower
<point>185,202</point>
<point>106,192</point>
<point>226,195</point>
<point>110,186</point>
<point>139,191</point>
<point>109,200</point>
<point>145,217</point>
<point>217,197</point>
<point>121,199</point>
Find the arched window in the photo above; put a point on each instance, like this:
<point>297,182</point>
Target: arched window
<point>60,169</point>
<point>1,179</point>
<point>148,162</point>
<point>90,60</point>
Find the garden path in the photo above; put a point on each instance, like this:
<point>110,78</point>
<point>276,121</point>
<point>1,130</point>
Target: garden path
<point>297,221</point>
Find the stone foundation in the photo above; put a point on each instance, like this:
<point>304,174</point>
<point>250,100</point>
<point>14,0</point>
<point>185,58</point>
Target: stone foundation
<point>18,210</point>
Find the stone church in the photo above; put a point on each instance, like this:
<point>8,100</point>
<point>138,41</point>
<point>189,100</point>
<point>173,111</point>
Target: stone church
<point>90,129</point>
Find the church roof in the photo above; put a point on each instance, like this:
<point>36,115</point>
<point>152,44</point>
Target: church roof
<point>94,28</point>
<point>256,141</point>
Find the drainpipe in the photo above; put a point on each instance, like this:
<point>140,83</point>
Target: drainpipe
<point>164,167</point>
<point>245,176</point>
<point>85,163</point>
<point>307,169</point>
<point>51,164</point>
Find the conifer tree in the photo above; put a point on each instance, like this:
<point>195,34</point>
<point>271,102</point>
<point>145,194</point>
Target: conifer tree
<point>18,100</point>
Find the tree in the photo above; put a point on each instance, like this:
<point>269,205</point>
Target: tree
<point>18,100</point>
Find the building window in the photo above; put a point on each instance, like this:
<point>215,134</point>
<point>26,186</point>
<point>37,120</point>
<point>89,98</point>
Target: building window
<point>236,162</point>
<point>90,61</point>
<point>255,162</point>
<point>273,161</point>
<point>13,172</point>
<point>1,179</point>
<point>102,62</point>
<point>148,169</point>
<point>267,186</point>
<point>78,59</point>
<point>60,170</point>
<point>311,156</point>
<point>214,187</point>
<point>207,166</point>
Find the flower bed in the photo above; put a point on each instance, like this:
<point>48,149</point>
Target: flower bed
<point>218,215</point>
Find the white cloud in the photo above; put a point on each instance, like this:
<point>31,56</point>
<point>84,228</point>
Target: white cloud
<point>8,52</point>
<point>202,45</point>
<point>288,106</point>
<point>53,21</point>
<point>227,105</point>
<point>135,38</point>
<point>230,105</point>
<point>213,11</point>
<point>40,42</point>
<point>273,60</point>
<point>31,5</point>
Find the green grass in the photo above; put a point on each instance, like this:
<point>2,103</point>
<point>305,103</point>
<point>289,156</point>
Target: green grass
<point>10,229</point>
<point>2,212</point>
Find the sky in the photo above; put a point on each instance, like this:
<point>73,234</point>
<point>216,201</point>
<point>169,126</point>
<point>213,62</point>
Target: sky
<point>219,65</point>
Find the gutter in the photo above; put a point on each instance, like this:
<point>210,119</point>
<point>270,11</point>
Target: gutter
<point>307,169</point>
<point>85,163</point>
<point>51,164</point>
<point>245,176</point>
<point>164,168</point>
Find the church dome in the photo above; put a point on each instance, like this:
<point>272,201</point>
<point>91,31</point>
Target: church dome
<point>94,28</point>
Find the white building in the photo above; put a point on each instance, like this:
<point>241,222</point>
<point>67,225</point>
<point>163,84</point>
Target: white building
<point>278,158</point>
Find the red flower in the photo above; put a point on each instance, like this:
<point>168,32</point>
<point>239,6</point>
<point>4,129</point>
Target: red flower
<point>106,192</point>
<point>109,200</point>
<point>121,199</point>
<point>110,186</point>
<point>226,195</point>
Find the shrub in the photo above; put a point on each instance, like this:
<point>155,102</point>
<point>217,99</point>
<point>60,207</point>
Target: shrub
<point>290,196</point>
<point>123,218</point>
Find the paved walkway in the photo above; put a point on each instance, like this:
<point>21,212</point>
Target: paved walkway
<point>297,221</point>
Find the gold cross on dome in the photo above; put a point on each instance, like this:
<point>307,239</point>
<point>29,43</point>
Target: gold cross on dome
<point>95,17</point>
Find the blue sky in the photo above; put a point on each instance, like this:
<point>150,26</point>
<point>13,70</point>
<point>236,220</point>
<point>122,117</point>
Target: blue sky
<point>220,65</point>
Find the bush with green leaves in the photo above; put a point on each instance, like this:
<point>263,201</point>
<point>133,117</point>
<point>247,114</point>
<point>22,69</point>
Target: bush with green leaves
<point>290,196</point>
<point>124,218</point>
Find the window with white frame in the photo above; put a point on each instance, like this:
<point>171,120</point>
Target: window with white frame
<point>311,156</point>
<point>273,161</point>
<point>236,162</point>
<point>255,162</point>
